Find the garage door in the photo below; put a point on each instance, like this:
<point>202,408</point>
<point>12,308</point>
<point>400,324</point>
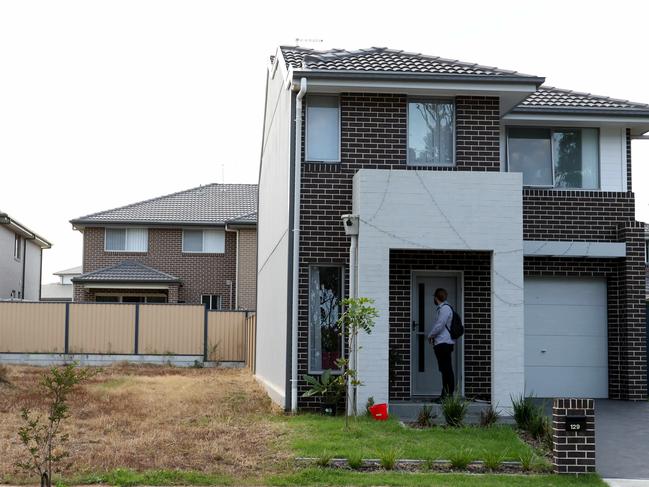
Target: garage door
<point>566,352</point>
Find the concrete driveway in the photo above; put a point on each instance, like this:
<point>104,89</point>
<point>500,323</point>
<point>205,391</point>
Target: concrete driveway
<point>622,439</point>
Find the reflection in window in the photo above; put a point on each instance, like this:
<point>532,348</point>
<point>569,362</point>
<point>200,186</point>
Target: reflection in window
<point>430,132</point>
<point>325,340</point>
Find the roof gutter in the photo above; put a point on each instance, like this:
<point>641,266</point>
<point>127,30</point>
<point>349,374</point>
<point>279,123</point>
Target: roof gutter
<point>296,240</point>
<point>24,231</point>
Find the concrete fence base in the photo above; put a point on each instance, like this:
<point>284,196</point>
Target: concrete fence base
<point>48,359</point>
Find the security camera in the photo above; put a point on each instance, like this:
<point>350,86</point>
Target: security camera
<point>350,223</point>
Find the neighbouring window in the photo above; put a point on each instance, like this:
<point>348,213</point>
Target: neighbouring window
<point>115,298</point>
<point>325,295</point>
<point>212,301</point>
<point>18,247</point>
<point>127,239</point>
<point>204,241</point>
<point>560,158</point>
<point>431,129</point>
<point>322,128</point>
<point>107,299</point>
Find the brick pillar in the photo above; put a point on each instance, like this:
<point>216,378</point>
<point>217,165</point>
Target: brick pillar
<point>573,452</point>
<point>172,296</point>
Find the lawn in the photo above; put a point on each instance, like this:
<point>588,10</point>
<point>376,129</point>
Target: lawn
<point>147,425</point>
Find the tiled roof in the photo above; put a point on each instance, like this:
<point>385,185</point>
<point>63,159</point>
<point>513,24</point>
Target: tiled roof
<point>248,218</point>
<point>380,59</point>
<point>213,204</point>
<point>126,271</point>
<point>548,97</point>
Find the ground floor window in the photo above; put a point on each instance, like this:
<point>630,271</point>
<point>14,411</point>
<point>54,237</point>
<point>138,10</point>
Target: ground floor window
<point>130,298</point>
<point>325,295</point>
<point>212,301</point>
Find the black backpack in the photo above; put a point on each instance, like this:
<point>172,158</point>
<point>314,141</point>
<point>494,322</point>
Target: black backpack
<point>457,328</point>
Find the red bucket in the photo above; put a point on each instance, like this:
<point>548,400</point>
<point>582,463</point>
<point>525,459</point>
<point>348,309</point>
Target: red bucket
<point>379,411</point>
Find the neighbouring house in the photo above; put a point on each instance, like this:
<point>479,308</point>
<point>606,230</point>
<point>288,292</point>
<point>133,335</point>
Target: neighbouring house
<point>194,246</point>
<point>62,290</point>
<point>514,196</point>
<point>21,257</point>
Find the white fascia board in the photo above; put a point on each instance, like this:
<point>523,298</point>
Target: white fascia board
<point>553,248</point>
<point>124,286</point>
<point>639,125</point>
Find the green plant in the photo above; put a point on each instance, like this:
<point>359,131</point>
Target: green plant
<point>461,458</point>
<point>368,405</point>
<point>330,386</point>
<point>388,459</point>
<point>355,460</point>
<point>493,460</point>
<point>426,416</point>
<point>526,459</point>
<point>198,364</point>
<point>538,425</point>
<point>42,438</point>
<point>524,410</point>
<point>4,374</point>
<point>454,408</point>
<point>489,416</point>
<point>324,459</point>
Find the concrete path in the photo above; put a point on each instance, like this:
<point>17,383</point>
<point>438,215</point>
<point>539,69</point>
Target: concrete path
<point>622,441</point>
<point>627,483</point>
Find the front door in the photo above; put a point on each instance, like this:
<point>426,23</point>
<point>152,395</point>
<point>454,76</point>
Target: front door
<point>426,379</point>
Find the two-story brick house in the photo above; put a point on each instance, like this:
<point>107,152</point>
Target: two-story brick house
<point>514,196</point>
<point>194,246</point>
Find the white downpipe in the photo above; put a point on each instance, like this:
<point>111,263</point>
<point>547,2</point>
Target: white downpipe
<point>296,239</point>
<point>353,353</point>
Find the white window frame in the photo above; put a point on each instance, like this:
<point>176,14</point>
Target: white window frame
<point>18,247</point>
<point>431,100</point>
<point>211,297</point>
<point>306,131</point>
<point>126,229</point>
<point>202,230</point>
<point>553,129</point>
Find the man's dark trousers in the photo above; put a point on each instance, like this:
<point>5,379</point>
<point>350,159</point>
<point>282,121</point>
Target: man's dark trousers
<point>443,352</point>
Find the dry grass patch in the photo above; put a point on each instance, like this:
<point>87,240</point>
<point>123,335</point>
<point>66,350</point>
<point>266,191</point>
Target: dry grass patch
<point>150,417</point>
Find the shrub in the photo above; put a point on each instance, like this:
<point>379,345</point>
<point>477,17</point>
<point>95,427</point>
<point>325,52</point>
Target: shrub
<point>489,417</point>
<point>527,460</point>
<point>426,416</point>
<point>368,405</point>
<point>355,460</point>
<point>324,459</point>
<point>493,460</point>
<point>454,408</point>
<point>538,425</point>
<point>389,459</point>
<point>461,458</point>
<point>4,374</point>
<point>524,410</point>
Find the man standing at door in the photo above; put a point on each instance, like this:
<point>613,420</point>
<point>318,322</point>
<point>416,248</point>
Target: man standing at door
<point>440,337</point>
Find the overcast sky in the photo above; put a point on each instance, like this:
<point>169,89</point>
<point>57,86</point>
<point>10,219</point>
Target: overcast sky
<point>104,103</point>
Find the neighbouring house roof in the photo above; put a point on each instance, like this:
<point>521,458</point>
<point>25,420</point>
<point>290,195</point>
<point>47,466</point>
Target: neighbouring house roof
<point>70,272</point>
<point>384,60</point>
<point>24,231</point>
<point>213,204</point>
<point>248,219</point>
<point>126,271</point>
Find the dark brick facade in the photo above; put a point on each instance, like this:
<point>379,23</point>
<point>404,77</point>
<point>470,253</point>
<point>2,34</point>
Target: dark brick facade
<point>573,452</point>
<point>199,273</point>
<point>374,136</point>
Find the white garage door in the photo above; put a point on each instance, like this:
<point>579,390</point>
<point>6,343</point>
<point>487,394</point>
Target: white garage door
<point>566,352</point>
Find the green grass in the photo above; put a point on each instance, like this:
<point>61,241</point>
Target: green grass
<point>128,478</point>
<point>311,435</point>
<point>325,477</point>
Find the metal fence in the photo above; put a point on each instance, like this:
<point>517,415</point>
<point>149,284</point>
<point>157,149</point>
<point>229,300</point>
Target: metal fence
<point>127,329</point>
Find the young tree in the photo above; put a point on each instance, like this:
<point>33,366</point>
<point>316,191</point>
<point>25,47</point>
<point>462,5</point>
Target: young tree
<point>42,437</point>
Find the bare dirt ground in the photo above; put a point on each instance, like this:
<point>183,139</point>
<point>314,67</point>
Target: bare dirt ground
<point>152,417</point>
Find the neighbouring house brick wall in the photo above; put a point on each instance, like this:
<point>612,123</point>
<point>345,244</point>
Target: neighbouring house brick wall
<point>476,269</point>
<point>199,273</point>
<point>247,279</point>
<point>82,294</point>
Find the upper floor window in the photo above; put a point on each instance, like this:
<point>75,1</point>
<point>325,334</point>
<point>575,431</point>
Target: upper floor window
<point>18,247</point>
<point>431,132</point>
<point>558,158</point>
<point>322,128</point>
<point>127,240</point>
<point>204,241</point>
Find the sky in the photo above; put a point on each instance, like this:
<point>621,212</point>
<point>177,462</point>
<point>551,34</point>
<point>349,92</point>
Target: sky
<point>105,103</point>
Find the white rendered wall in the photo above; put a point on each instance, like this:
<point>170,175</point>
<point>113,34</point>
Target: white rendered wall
<point>476,211</point>
<point>11,270</point>
<point>612,156</point>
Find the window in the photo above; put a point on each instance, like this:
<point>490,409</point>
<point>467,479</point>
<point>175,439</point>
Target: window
<point>325,340</point>
<point>559,158</point>
<point>107,299</point>
<point>127,240</point>
<point>322,128</point>
<point>18,247</point>
<point>204,241</point>
<point>431,127</point>
<point>116,298</point>
<point>212,301</point>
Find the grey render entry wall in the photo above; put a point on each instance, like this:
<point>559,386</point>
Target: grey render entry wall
<point>440,210</point>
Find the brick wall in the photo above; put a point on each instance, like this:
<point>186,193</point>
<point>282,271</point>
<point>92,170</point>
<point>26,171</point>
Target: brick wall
<point>573,452</point>
<point>476,267</point>
<point>199,273</point>
<point>247,278</point>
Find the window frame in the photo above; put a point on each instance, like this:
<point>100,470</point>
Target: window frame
<point>552,130</point>
<point>306,130</point>
<point>452,101</point>
<point>18,247</point>
<point>202,230</point>
<point>343,348</point>
<point>126,229</point>
<point>211,298</point>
